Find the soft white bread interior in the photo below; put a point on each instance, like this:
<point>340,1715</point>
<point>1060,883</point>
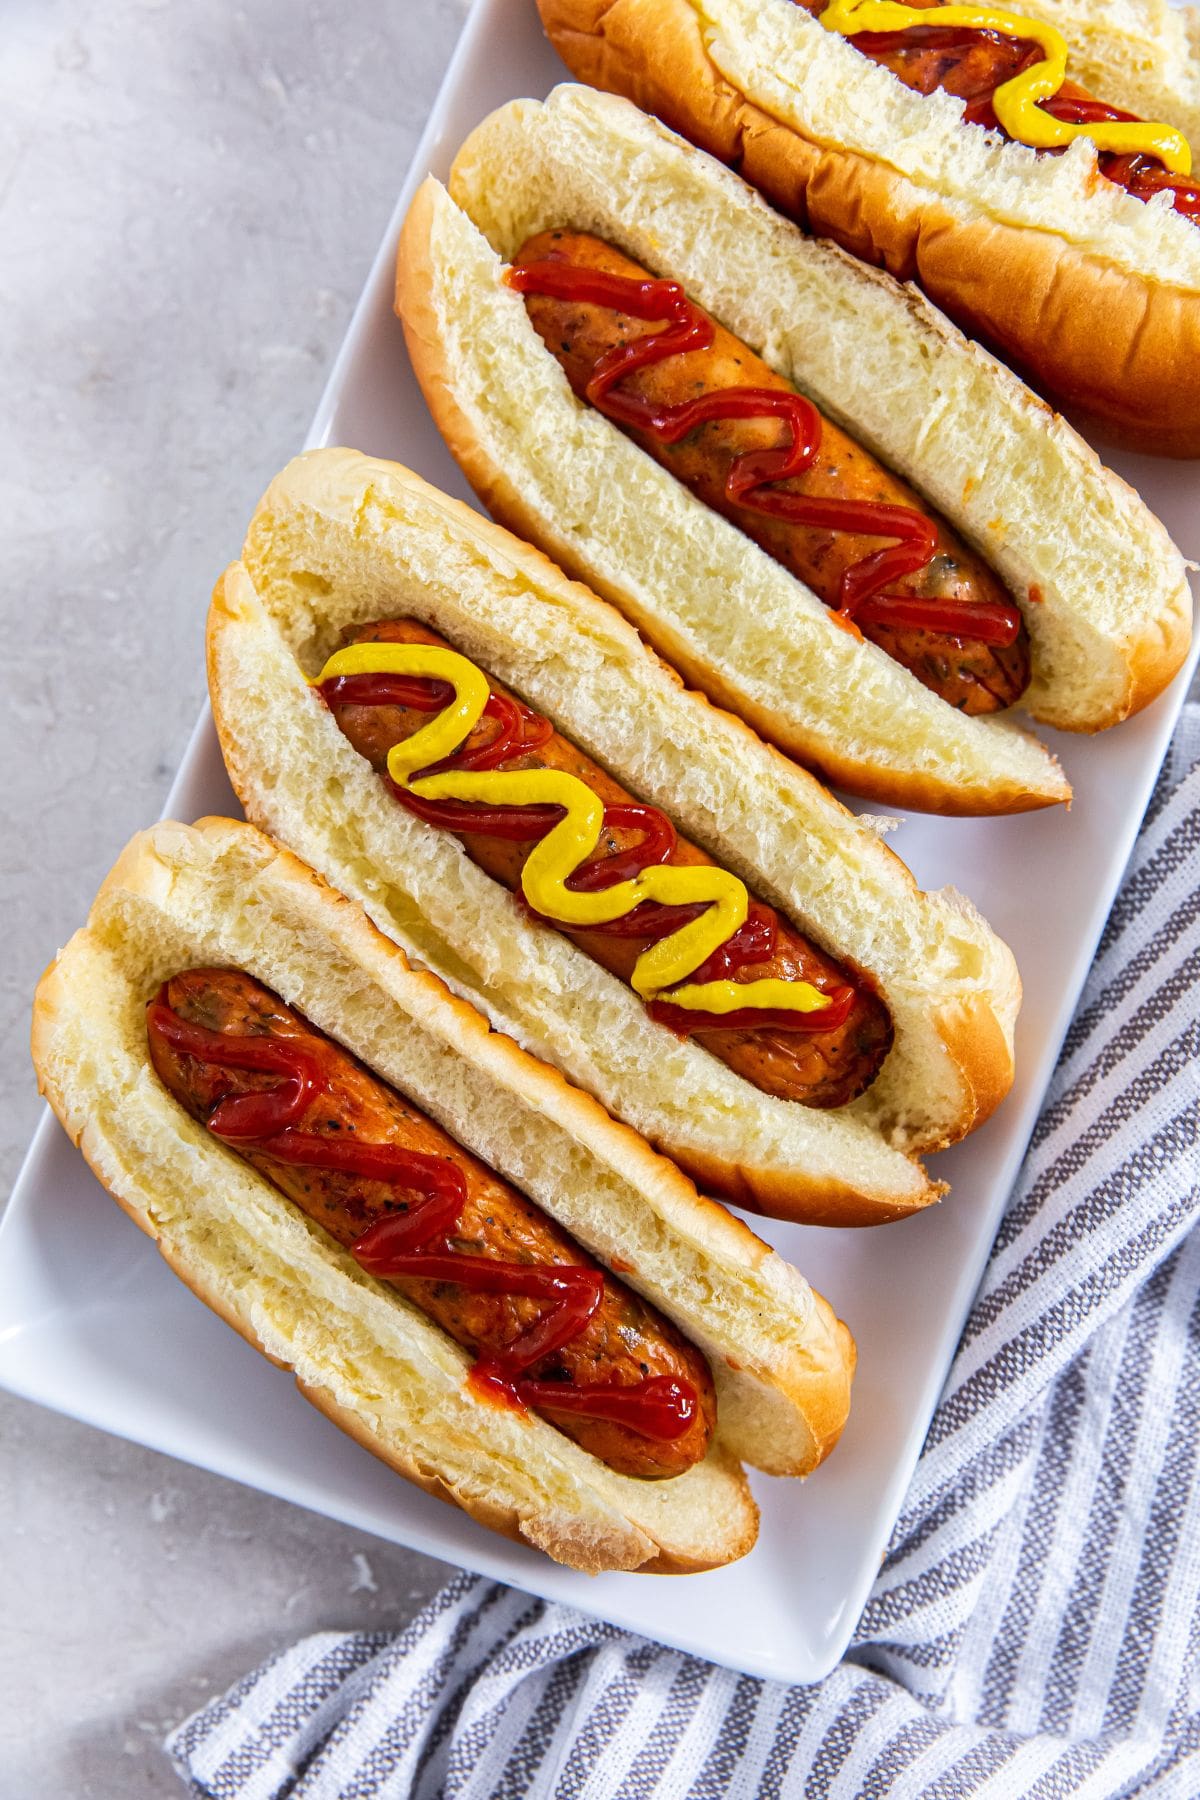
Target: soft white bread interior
<point>1068,275</point>
<point>221,893</point>
<point>789,61</point>
<point>1103,590</point>
<point>341,539</point>
<point>1140,55</point>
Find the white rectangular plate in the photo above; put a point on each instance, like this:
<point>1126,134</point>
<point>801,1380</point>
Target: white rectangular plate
<point>94,1324</point>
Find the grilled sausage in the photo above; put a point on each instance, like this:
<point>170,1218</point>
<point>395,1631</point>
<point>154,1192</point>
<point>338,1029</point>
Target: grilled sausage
<point>974,676</point>
<point>823,1069</point>
<point>625,1342</point>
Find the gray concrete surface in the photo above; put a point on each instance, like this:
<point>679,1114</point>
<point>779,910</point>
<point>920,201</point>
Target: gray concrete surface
<point>190,195</point>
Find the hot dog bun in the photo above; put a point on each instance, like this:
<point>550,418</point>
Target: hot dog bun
<point>1103,591</point>
<point>220,893</point>
<point>340,539</point>
<point>1092,293</point>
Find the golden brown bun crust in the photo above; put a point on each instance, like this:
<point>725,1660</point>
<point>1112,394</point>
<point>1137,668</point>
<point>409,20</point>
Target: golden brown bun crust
<point>826,1202</point>
<point>1041,299</point>
<point>1156,661</point>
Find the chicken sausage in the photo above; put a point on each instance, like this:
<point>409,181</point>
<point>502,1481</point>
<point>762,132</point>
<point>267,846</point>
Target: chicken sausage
<point>625,1342</point>
<point>818,1068</point>
<point>970,674</point>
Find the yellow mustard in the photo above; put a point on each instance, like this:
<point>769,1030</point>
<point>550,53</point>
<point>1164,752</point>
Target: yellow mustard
<point>1016,101</point>
<point>569,843</point>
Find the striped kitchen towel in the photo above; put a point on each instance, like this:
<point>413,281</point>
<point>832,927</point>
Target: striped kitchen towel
<point>1034,1629</point>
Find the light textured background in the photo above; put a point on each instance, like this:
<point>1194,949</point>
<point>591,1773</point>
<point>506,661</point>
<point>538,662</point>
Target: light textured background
<point>190,197</point>
<point>191,193</point>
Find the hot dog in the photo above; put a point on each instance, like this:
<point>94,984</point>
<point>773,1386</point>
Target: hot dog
<point>633,1392</point>
<point>899,480</point>
<point>467,1264</point>
<point>974,64</point>
<point>791,1056</point>
<point>963,148</point>
<point>927,617</point>
<point>616,873</point>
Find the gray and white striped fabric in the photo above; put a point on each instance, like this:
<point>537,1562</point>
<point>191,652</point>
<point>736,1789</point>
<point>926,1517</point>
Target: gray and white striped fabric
<point>1034,1630</point>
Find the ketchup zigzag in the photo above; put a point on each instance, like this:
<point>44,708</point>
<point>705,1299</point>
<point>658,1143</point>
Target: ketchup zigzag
<point>751,476</point>
<point>414,1243</point>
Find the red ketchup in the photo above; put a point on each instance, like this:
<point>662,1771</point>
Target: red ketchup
<point>521,731</point>
<point>415,1243</point>
<point>751,475</point>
